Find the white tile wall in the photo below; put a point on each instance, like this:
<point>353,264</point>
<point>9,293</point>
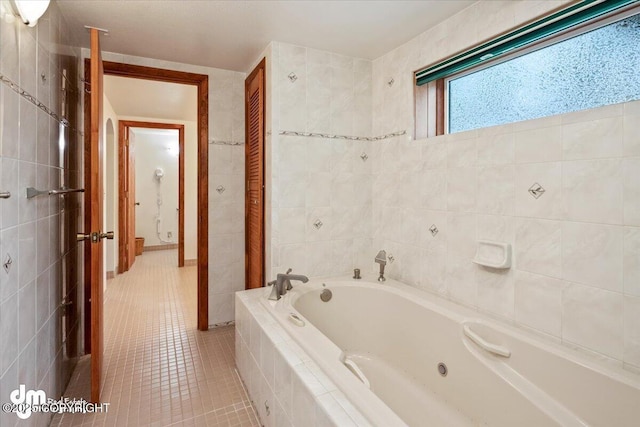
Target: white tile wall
<point>631,331</point>
<point>593,318</point>
<point>578,240</point>
<point>631,261</point>
<point>575,248</point>
<point>631,190</point>
<point>592,255</point>
<point>316,178</point>
<point>36,233</point>
<point>538,302</point>
<point>593,191</point>
<point>576,270</point>
<point>539,144</point>
<point>281,377</point>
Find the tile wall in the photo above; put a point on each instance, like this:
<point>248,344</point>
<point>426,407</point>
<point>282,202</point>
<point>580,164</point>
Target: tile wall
<point>286,387</point>
<point>226,180</point>
<point>319,206</point>
<point>41,261</point>
<point>576,270</point>
<point>226,207</point>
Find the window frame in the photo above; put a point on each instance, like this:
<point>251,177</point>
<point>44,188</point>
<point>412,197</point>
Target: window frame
<point>432,98</point>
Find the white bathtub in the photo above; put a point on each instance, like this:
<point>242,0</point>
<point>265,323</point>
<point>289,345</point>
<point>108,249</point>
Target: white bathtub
<point>397,336</point>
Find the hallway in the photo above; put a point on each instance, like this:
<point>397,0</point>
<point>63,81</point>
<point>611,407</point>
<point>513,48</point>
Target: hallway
<point>159,369</point>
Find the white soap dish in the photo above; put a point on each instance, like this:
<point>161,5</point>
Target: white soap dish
<point>493,254</point>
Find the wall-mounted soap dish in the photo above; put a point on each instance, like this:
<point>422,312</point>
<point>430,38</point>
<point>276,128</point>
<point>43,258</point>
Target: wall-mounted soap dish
<point>493,254</point>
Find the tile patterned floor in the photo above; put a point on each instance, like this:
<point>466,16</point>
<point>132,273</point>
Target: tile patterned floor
<point>159,369</point>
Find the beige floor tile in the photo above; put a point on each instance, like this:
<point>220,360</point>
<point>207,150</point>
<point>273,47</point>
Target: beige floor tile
<point>159,369</point>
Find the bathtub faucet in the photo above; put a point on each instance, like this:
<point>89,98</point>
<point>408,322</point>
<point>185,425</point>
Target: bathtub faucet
<point>381,259</point>
<point>282,284</point>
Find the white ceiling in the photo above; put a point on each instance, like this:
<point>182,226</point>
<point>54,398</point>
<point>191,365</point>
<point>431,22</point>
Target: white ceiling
<point>147,98</point>
<point>231,34</point>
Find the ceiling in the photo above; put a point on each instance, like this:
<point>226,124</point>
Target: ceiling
<point>147,98</point>
<point>231,34</point>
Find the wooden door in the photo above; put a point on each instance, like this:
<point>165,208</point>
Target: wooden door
<point>94,268</point>
<point>127,207</point>
<point>131,208</point>
<point>123,205</point>
<point>254,170</point>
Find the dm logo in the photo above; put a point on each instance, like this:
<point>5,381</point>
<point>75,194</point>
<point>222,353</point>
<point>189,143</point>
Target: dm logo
<point>25,400</point>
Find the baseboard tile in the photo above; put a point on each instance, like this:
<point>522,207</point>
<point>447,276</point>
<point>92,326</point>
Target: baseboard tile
<point>160,247</point>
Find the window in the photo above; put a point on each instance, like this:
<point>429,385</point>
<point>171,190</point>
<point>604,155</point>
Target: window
<point>596,68</point>
<point>595,65</point>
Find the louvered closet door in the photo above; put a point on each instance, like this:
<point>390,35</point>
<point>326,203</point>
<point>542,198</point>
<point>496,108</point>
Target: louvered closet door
<point>254,201</point>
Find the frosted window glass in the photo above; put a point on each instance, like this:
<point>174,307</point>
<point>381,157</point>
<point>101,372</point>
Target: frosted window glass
<point>592,69</point>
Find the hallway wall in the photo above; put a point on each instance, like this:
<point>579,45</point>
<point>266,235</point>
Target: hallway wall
<point>226,169</point>
<point>110,162</point>
<point>40,146</point>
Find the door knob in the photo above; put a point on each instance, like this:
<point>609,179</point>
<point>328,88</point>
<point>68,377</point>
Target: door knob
<point>94,237</point>
<point>108,235</point>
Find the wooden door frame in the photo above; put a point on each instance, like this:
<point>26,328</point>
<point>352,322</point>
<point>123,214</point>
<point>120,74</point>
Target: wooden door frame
<point>260,67</point>
<point>201,81</point>
<point>124,168</point>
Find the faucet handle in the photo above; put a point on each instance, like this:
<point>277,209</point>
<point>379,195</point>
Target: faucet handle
<point>289,271</point>
<point>271,283</point>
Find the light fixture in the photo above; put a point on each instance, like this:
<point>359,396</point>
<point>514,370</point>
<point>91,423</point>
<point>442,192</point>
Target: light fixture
<point>30,10</point>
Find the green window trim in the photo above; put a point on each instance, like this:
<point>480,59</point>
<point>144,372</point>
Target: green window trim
<point>549,25</point>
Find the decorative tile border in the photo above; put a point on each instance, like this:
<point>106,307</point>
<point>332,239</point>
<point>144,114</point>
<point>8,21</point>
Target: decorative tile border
<point>347,137</point>
<point>32,99</point>
<point>221,142</point>
<point>318,135</point>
